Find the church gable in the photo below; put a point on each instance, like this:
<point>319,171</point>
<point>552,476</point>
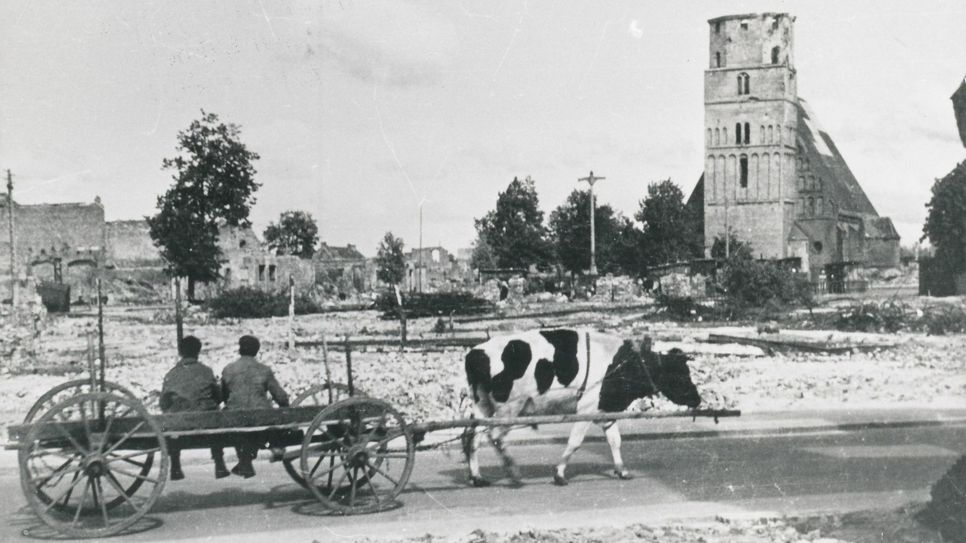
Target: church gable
<point>823,168</point>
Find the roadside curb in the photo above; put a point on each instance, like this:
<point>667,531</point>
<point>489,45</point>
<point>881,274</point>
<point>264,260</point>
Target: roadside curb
<point>776,430</point>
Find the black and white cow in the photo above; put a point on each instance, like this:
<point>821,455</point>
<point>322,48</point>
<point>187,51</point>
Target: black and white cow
<point>543,372</point>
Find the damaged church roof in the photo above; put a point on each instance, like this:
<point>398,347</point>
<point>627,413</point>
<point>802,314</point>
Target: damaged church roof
<point>959,108</point>
<point>823,158</point>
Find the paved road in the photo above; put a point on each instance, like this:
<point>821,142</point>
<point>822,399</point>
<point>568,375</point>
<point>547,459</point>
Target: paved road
<point>683,470</point>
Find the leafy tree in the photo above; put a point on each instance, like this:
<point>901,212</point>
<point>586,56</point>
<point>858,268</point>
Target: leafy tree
<point>670,232</point>
<point>570,234</point>
<point>390,260</point>
<point>737,248</point>
<point>482,255</point>
<point>514,231</point>
<point>945,225</point>
<point>627,252</point>
<point>214,185</point>
<point>296,233</point>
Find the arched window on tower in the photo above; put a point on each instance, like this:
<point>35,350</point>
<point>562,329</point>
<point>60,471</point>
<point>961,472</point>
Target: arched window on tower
<point>771,134</point>
<point>747,133</point>
<point>743,83</point>
<point>724,135</point>
<point>717,59</point>
<point>811,206</point>
<point>717,136</point>
<point>761,134</point>
<point>774,54</point>
<point>738,133</point>
<point>708,140</point>
<point>743,166</point>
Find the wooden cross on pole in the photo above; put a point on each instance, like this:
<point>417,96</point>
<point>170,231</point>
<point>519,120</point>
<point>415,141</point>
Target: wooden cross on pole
<point>590,180</point>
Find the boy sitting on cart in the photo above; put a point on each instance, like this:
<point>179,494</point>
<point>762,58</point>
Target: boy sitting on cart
<point>246,384</point>
<point>191,386</point>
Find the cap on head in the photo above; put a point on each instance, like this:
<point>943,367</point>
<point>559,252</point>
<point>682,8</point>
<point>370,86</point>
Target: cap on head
<point>189,347</point>
<point>248,345</point>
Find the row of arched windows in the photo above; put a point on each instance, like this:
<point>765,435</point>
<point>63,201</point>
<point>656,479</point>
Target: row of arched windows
<point>813,206</point>
<point>749,176</point>
<point>809,182</point>
<point>767,134</point>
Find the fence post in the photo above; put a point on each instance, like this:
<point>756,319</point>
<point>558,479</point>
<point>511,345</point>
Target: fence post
<point>291,312</point>
<point>325,363</point>
<point>348,365</point>
<point>402,318</point>
<point>178,318</point>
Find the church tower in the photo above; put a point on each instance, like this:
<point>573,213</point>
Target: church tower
<point>751,123</point>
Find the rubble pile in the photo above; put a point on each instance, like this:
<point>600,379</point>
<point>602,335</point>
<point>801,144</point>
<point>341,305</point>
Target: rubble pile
<point>679,285</point>
<point>619,289</point>
<point>921,371</point>
<point>20,331</point>
<point>720,529</point>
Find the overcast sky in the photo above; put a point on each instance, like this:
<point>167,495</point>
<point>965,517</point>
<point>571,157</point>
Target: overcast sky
<point>362,110</point>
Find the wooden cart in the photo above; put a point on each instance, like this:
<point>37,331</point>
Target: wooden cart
<point>94,464</point>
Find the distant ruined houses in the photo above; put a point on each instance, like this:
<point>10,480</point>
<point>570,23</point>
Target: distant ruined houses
<point>70,243</point>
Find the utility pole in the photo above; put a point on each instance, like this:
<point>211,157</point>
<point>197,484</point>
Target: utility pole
<point>591,179</point>
<point>727,226</point>
<point>419,257</point>
<point>13,241</point>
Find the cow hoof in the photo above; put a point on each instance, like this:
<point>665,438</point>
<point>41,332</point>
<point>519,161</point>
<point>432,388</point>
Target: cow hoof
<point>623,475</point>
<point>479,482</point>
<point>559,481</point>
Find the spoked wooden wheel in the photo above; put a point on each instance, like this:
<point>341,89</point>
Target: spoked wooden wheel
<point>72,412</point>
<point>83,462</point>
<point>67,390</point>
<point>359,454</point>
<point>315,395</point>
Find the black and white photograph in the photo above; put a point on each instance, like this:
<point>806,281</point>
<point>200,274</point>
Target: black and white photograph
<point>473,271</point>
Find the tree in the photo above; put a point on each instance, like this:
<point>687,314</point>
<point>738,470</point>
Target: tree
<point>737,248</point>
<point>296,233</point>
<point>214,185</point>
<point>570,234</point>
<point>390,260</point>
<point>514,231</point>
<point>482,255</point>
<point>628,254</point>
<point>945,226</point>
<point>670,234</point>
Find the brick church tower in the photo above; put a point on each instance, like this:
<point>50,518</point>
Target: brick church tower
<point>772,176</point>
<point>751,118</point>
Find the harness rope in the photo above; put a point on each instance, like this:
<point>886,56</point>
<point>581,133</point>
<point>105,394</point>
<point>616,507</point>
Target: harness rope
<point>583,386</point>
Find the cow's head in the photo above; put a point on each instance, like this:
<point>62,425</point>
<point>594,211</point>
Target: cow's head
<point>671,374</point>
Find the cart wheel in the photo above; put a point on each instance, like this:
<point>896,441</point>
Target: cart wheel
<point>73,388</point>
<point>359,454</point>
<point>76,464</point>
<point>67,390</point>
<point>315,395</point>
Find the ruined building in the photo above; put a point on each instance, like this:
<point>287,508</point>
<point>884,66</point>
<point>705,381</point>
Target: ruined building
<point>55,242</point>
<point>772,176</point>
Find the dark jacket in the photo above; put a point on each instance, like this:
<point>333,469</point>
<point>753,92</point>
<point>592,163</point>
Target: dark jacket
<point>246,384</point>
<point>190,386</point>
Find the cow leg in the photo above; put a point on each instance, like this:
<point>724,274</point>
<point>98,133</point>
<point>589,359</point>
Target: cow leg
<point>576,439</point>
<point>470,441</point>
<point>614,440</point>
<point>497,433</point>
